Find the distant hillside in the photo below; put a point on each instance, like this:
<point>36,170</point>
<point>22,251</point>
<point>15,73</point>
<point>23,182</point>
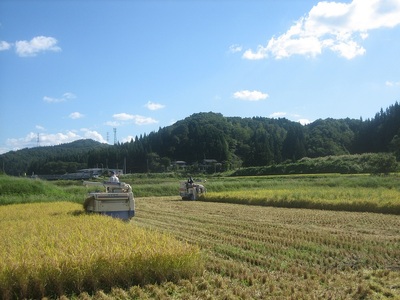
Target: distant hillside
<point>72,156</point>
<point>225,142</point>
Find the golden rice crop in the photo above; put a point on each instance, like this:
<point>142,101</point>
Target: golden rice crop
<point>380,200</point>
<point>54,249</point>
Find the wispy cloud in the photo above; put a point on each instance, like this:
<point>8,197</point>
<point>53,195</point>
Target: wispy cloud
<point>250,95</point>
<point>76,115</point>
<point>113,123</point>
<point>392,83</point>
<point>36,45</point>
<point>154,106</point>
<point>63,98</point>
<point>339,27</point>
<point>141,120</point>
<point>235,48</point>
<point>137,119</point>
<point>123,117</point>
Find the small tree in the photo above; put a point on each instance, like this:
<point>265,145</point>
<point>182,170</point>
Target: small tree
<point>383,163</point>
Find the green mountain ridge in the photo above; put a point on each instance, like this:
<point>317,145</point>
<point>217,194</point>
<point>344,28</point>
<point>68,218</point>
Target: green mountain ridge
<point>232,141</point>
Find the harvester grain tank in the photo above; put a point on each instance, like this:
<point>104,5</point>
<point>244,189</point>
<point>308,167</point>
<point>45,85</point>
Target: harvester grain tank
<point>116,200</point>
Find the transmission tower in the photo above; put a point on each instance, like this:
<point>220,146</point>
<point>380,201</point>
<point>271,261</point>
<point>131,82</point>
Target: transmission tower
<point>115,136</point>
<point>38,140</point>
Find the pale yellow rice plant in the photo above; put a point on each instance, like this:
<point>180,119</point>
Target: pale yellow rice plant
<point>379,200</point>
<point>53,249</point>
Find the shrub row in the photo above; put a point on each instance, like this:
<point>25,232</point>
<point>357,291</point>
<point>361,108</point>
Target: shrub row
<point>373,163</point>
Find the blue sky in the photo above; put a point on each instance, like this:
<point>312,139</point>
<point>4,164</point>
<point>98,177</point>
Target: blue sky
<point>78,69</point>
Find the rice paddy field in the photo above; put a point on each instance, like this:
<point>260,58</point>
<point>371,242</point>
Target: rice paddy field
<point>257,252</point>
<point>55,249</point>
<point>240,251</point>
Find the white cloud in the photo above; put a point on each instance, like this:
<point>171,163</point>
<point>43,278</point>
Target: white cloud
<point>277,115</point>
<point>154,106</point>
<point>58,138</point>
<point>4,45</point>
<point>339,27</point>
<point>128,139</point>
<point>94,135</point>
<point>348,49</point>
<point>36,45</point>
<point>304,121</point>
<point>250,95</point>
<point>76,115</point>
<point>64,97</point>
<point>39,127</point>
<point>137,119</point>
<point>140,120</point>
<point>261,53</point>
<point>31,139</point>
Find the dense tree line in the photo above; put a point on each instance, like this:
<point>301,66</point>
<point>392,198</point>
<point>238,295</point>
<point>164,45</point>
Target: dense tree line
<point>232,141</point>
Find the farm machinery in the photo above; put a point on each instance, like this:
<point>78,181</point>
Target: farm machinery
<point>189,190</point>
<point>116,200</point>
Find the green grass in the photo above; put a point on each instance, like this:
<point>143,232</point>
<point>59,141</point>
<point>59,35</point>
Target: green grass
<point>325,191</point>
<point>25,190</point>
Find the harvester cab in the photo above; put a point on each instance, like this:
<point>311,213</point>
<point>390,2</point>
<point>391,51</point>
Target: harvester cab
<point>189,190</point>
<point>116,200</point>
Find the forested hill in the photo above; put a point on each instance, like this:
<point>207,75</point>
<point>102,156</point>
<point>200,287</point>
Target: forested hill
<point>232,141</point>
<point>59,159</point>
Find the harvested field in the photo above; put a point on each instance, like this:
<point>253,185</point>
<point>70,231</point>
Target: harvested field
<point>257,252</point>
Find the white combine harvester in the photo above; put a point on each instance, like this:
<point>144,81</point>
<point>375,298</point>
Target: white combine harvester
<point>116,201</point>
<point>189,190</point>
